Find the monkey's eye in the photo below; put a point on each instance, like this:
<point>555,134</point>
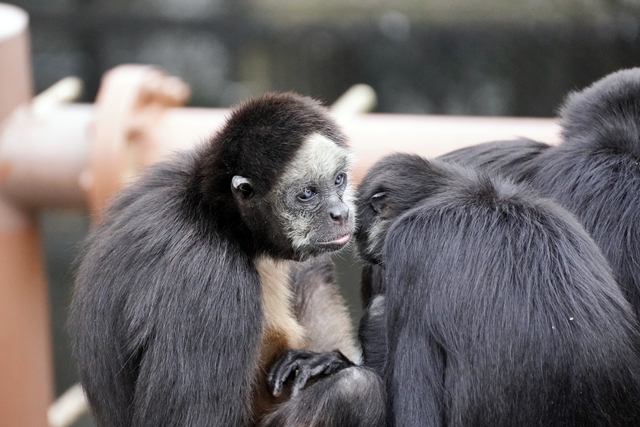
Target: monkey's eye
<point>242,186</point>
<point>246,190</point>
<point>378,202</point>
<point>341,179</point>
<point>307,194</point>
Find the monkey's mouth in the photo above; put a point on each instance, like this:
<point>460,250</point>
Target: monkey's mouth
<point>340,241</point>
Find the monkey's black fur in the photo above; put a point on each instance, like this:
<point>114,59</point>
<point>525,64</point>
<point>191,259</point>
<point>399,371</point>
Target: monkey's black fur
<point>372,331</point>
<point>167,317</point>
<point>160,338</point>
<point>514,159</point>
<point>507,158</point>
<point>594,172</point>
<point>501,310</point>
<point>372,284</point>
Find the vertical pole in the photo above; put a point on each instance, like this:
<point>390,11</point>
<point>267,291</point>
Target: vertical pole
<point>25,348</point>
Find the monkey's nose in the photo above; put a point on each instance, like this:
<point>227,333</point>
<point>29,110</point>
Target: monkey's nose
<point>339,213</point>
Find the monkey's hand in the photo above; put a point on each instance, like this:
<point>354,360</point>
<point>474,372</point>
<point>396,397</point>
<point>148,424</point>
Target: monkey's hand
<point>304,364</point>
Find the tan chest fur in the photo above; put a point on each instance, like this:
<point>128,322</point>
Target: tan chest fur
<point>277,300</point>
<point>280,330</point>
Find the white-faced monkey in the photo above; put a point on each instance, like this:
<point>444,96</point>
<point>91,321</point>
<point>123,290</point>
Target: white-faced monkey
<point>190,287</point>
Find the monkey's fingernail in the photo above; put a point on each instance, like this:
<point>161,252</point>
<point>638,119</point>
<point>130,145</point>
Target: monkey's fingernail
<point>277,390</point>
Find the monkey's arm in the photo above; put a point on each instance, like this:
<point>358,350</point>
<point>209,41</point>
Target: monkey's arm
<point>330,340</point>
<point>372,331</point>
<point>415,371</point>
<point>372,283</point>
<point>344,394</point>
<point>198,367</point>
<point>321,310</point>
<point>373,334</point>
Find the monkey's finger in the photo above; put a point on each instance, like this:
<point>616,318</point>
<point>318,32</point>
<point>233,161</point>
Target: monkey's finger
<point>301,380</point>
<point>288,358</point>
<point>284,366</point>
<point>325,363</point>
<point>277,369</point>
<point>328,363</point>
<point>281,378</point>
<point>319,369</point>
<point>335,362</point>
<point>279,375</point>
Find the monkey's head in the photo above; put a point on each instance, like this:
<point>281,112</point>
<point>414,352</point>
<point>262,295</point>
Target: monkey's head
<point>605,114</point>
<point>281,165</point>
<point>391,187</point>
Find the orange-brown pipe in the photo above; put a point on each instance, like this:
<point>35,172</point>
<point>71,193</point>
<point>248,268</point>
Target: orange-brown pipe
<point>371,136</point>
<point>44,156</point>
<point>25,349</point>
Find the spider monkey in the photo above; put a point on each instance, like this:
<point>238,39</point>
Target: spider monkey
<point>203,272</point>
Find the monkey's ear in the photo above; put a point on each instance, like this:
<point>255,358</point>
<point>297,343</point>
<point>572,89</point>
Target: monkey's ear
<point>241,187</point>
<point>379,202</point>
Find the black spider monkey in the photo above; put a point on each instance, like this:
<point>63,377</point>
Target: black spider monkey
<point>500,157</point>
<point>500,309</point>
<point>594,172</point>
<point>193,283</point>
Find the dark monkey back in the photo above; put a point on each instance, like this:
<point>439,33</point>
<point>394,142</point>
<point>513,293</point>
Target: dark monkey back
<point>594,172</point>
<point>500,308</point>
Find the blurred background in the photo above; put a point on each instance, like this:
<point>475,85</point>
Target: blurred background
<point>460,57</point>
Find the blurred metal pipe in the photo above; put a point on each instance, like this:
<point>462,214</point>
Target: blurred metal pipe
<point>359,98</point>
<point>15,71</point>
<point>66,155</point>
<point>375,135</point>
<point>25,356</point>
<point>132,99</point>
<point>45,156</point>
<point>42,155</point>
<point>371,136</point>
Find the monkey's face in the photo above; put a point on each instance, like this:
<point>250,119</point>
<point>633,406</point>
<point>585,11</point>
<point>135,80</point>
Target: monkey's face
<point>376,210</point>
<point>313,200</point>
<point>374,219</point>
<point>391,187</point>
<point>309,210</point>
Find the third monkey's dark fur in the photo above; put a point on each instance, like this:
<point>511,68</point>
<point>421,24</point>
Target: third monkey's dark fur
<point>501,310</point>
<point>594,172</point>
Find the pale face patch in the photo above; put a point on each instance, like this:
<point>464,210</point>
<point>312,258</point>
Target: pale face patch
<point>349,197</point>
<point>319,158</point>
<point>316,164</point>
